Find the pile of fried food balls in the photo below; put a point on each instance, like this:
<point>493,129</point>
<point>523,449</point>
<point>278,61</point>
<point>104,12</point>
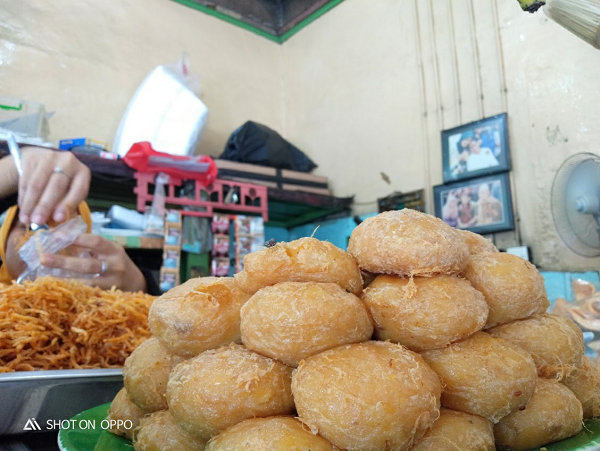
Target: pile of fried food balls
<point>449,347</point>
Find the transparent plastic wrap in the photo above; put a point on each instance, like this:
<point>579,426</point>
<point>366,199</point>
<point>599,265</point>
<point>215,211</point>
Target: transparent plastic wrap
<point>155,218</point>
<point>584,310</point>
<point>50,242</point>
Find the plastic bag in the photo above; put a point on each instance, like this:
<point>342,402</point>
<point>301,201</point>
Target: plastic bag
<point>257,144</point>
<point>584,310</point>
<point>142,157</point>
<point>155,218</point>
<point>166,111</point>
<point>50,242</point>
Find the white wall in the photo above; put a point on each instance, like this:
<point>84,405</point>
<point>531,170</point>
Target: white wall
<point>370,86</point>
<point>85,58</point>
<point>353,100</point>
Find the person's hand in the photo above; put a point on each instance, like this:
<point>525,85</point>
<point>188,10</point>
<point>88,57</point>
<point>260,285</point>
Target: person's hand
<point>108,266</point>
<point>53,184</point>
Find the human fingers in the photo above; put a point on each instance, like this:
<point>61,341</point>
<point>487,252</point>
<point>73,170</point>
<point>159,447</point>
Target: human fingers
<point>84,266</point>
<point>117,270</point>
<point>97,245</point>
<point>98,272</point>
<point>77,190</point>
<point>68,185</point>
<point>53,193</point>
<point>37,170</point>
<point>114,260</point>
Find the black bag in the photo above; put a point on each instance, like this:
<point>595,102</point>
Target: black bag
<point>257,144</point>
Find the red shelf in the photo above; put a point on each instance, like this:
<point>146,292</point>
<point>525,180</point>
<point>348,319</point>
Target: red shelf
<point>251,198</point>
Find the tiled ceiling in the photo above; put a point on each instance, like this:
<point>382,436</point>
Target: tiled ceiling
<point>274,17</point>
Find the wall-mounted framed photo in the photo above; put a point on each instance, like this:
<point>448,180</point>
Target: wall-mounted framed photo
<point>482,205</point>
<point>476,149</point>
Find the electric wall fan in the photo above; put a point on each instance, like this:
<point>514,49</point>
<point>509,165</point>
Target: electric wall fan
<point>576,203</point>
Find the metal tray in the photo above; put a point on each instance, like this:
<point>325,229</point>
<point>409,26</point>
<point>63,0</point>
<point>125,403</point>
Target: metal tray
<point>52,396</point>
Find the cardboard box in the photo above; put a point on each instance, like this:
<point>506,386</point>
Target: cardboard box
<point>68,144</point>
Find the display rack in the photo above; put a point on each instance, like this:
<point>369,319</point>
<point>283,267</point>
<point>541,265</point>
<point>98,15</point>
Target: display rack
<point>286,208</point>
<point>220,195</point>
<point>170,269</point>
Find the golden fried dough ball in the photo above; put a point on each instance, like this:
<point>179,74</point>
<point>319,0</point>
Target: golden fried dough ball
<point>513,287</point>
<point>425,312</point>
<point>222,387</point>
<point>552,414</point>
<point>455,430</point>
<point>408,243</point>
<point>122,409</point>
<point>201,314</point>
<point>303,260</point>
<point>484,376</point>
<point>584,382</point>
<point>476,243</point>
<point>266,434</point>
<point>146,373</point>
<point>294,320</point>
<point>160,432</point>
<point>555,342</point>
<point>369,396</point>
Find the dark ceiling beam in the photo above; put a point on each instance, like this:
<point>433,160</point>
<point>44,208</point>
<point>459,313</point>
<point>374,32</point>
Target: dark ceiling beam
<point>290,23</point>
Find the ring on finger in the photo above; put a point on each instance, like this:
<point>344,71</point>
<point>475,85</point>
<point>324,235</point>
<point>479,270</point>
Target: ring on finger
<point>102,269</point>
<point>59,170</point>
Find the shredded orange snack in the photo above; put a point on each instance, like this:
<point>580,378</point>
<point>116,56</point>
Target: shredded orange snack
<point>55,323</point>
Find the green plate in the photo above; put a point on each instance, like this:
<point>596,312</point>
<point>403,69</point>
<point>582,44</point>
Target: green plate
<point>80,437</point>
<point>98,439</point>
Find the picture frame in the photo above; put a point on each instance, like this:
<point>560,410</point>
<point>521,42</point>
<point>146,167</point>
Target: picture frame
<point>476,149</point>
<point>482,205</point>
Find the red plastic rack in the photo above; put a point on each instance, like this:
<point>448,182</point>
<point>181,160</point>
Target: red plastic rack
<point>251,198</point>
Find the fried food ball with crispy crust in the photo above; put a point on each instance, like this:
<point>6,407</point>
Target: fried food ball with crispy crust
<point>291,321</point>
<point>476,243</point>
<point>219,388</point>
<point>201,314</point>
<point>455,430</point>
<point>369,396</point>
<point>265,434</point>
<point>122,409</point>
<point>552,414</point>
<point>584,382</point>
<point>484,376</point>
<point>555,342</point>
<point>513,287</point>
<point>160,432</point>
<point>303,260</point>
<point>425,312</point>
<point>408,243</point>
<point>146,373</point>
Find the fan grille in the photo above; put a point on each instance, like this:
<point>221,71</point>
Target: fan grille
<point>579,231</point>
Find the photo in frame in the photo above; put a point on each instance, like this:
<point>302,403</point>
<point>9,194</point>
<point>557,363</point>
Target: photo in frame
<point>476,149</point>
<point>482,205</point>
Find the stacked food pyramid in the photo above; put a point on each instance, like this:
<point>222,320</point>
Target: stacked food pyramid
<point>447,348</point>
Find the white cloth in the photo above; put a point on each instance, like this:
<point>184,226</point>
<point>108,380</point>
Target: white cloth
<point>482,160</point>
